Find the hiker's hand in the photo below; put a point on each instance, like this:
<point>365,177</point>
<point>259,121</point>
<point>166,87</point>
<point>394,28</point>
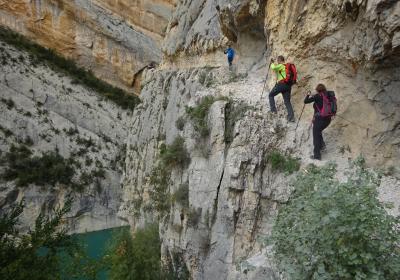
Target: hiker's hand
<point>272,61</point>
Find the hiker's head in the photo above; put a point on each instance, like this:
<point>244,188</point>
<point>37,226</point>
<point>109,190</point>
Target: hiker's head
<point>281,59</point>
<point>320,88</point>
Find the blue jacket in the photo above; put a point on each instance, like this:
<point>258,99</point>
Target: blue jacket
<point>230,52</point>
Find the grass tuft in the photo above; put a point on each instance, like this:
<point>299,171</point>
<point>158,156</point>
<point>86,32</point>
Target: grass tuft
<point>280,162</point>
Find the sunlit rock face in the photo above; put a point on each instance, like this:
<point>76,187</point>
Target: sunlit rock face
<point>114,39</point>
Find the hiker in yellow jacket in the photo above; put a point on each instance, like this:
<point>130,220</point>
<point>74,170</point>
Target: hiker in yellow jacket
<point>281,87</point>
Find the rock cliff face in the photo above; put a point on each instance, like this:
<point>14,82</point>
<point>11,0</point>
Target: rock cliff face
<point>114,39</point>
<point>44,111</point>
<point>351,46</point>
<point>233,195</point>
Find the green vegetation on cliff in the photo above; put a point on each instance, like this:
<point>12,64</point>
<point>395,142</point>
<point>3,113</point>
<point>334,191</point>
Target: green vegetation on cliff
<point>40,54</point>
<point>45,252</point>
<point>138,257</point>
<point>48,169</point>
<point>333,230</point>
<point>171,156</point>
<point>280,162</point>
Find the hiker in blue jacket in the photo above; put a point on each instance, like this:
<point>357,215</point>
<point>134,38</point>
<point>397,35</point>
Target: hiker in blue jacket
<point>230,53</point>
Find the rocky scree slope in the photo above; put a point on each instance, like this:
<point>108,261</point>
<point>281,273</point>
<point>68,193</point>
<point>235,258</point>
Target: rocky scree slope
<point>45,112</point>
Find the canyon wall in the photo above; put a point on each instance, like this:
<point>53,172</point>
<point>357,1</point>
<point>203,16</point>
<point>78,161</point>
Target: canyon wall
<point>114,39</point>
<point>233,194</point>
<point>44,111</point>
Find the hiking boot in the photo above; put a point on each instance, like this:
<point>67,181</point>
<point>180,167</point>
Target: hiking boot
<point>292,120</point>
<point>315,157</point>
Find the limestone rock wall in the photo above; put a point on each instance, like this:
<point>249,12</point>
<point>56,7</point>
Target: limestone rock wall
<point>351,46</point>
<point>45,111</point>
<point>114,39</point>
<point>234,194</point>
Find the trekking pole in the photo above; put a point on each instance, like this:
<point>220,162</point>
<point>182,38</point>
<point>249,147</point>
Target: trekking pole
<point>265,83</point>
<point>301,114</point>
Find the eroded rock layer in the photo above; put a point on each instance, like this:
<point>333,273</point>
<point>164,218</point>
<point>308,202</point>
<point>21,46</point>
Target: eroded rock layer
<point>114,39</point>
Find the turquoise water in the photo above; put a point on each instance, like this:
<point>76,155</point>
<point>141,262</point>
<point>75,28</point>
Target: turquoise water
<point>96,244</point>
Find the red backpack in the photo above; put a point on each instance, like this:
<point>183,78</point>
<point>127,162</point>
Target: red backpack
<point>329,104</point>
<point>291,74</point>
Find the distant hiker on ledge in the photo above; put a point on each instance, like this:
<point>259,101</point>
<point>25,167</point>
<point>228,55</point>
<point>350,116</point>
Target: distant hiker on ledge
<point>286,76</point>
<point>325,108</point>
<point>230,53</point>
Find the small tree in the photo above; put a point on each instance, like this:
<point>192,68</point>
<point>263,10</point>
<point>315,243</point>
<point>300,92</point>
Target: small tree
<point>45,252</point>
<point>175,154</point>
<point>332,230</point>
<point>136,257</point>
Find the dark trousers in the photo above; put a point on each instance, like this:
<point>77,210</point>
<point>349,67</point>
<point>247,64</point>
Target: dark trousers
<point>230,59</point>
<point>285,89</point>
<point>319,125</point>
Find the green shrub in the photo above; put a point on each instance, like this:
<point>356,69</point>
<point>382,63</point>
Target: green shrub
<point>135,257</point>
<point>194,216</point>
<point>283,163</point>
<point>160,198</point>
<point>171,156</point>
<point>28,114</point>
<point>181,195</point>
<point>332,230</point>
<point>71,131</point>
<point>180,123</point>
<point>199,114</point>
<point>85,142</point>
<point>175,154</point>
<point>48,169</point>
<point>8,102</point>
<point>98,173</point>
<point>28,141</point>
<point>45,252</point>
<point>68,66</point>
<point>7,132</point>
<point>232,115</point>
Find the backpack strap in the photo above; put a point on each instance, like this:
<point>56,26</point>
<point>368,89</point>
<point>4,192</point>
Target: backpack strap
<point>280,73</point>
<point>316,104</point>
